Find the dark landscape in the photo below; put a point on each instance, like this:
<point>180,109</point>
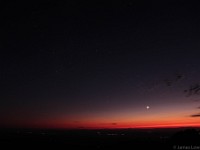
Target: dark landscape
<point>168,138</point>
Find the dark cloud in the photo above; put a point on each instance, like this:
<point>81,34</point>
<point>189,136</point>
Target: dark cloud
<point>195,115</point>
<point>173,80</point>
<point>198,107</point>
<point>81,127</point>
<point>196,100</point>
<point>114,124</point>
<point>76,121</point>
<point>179,77</point>
<point>193,90</point>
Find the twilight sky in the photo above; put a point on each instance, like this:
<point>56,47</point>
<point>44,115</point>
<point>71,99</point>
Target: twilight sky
<point>99,65</point>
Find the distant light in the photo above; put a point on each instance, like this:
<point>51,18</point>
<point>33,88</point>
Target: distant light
<point>147,107</point>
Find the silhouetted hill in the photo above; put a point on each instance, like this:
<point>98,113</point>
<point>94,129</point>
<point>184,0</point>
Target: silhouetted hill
<point>186,137</point>
<point>99,139</point>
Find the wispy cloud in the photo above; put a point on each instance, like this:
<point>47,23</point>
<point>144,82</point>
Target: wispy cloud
<point>114,123</point>
<point>76,121</point>
<point>195,115</point>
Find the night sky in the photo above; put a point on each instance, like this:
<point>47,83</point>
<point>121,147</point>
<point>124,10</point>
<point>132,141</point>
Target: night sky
<point>119,64</point>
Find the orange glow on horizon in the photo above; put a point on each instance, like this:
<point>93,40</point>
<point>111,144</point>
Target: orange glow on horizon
<point>155,120</point>
<point>107,126</point>
<point>119,125</point>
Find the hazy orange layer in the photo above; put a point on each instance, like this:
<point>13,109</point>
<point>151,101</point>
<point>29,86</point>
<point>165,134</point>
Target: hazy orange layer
<point>154,121</point>
<point>96,126</point>
<point>119,124</point>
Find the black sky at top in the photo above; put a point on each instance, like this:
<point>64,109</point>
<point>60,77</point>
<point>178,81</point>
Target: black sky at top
<point>75,49</point>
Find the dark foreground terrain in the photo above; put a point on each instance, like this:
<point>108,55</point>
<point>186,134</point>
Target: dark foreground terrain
<point>176,138</point>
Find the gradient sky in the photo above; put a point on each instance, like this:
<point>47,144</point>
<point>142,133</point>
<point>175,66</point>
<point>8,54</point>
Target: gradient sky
<point>98,65</point>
